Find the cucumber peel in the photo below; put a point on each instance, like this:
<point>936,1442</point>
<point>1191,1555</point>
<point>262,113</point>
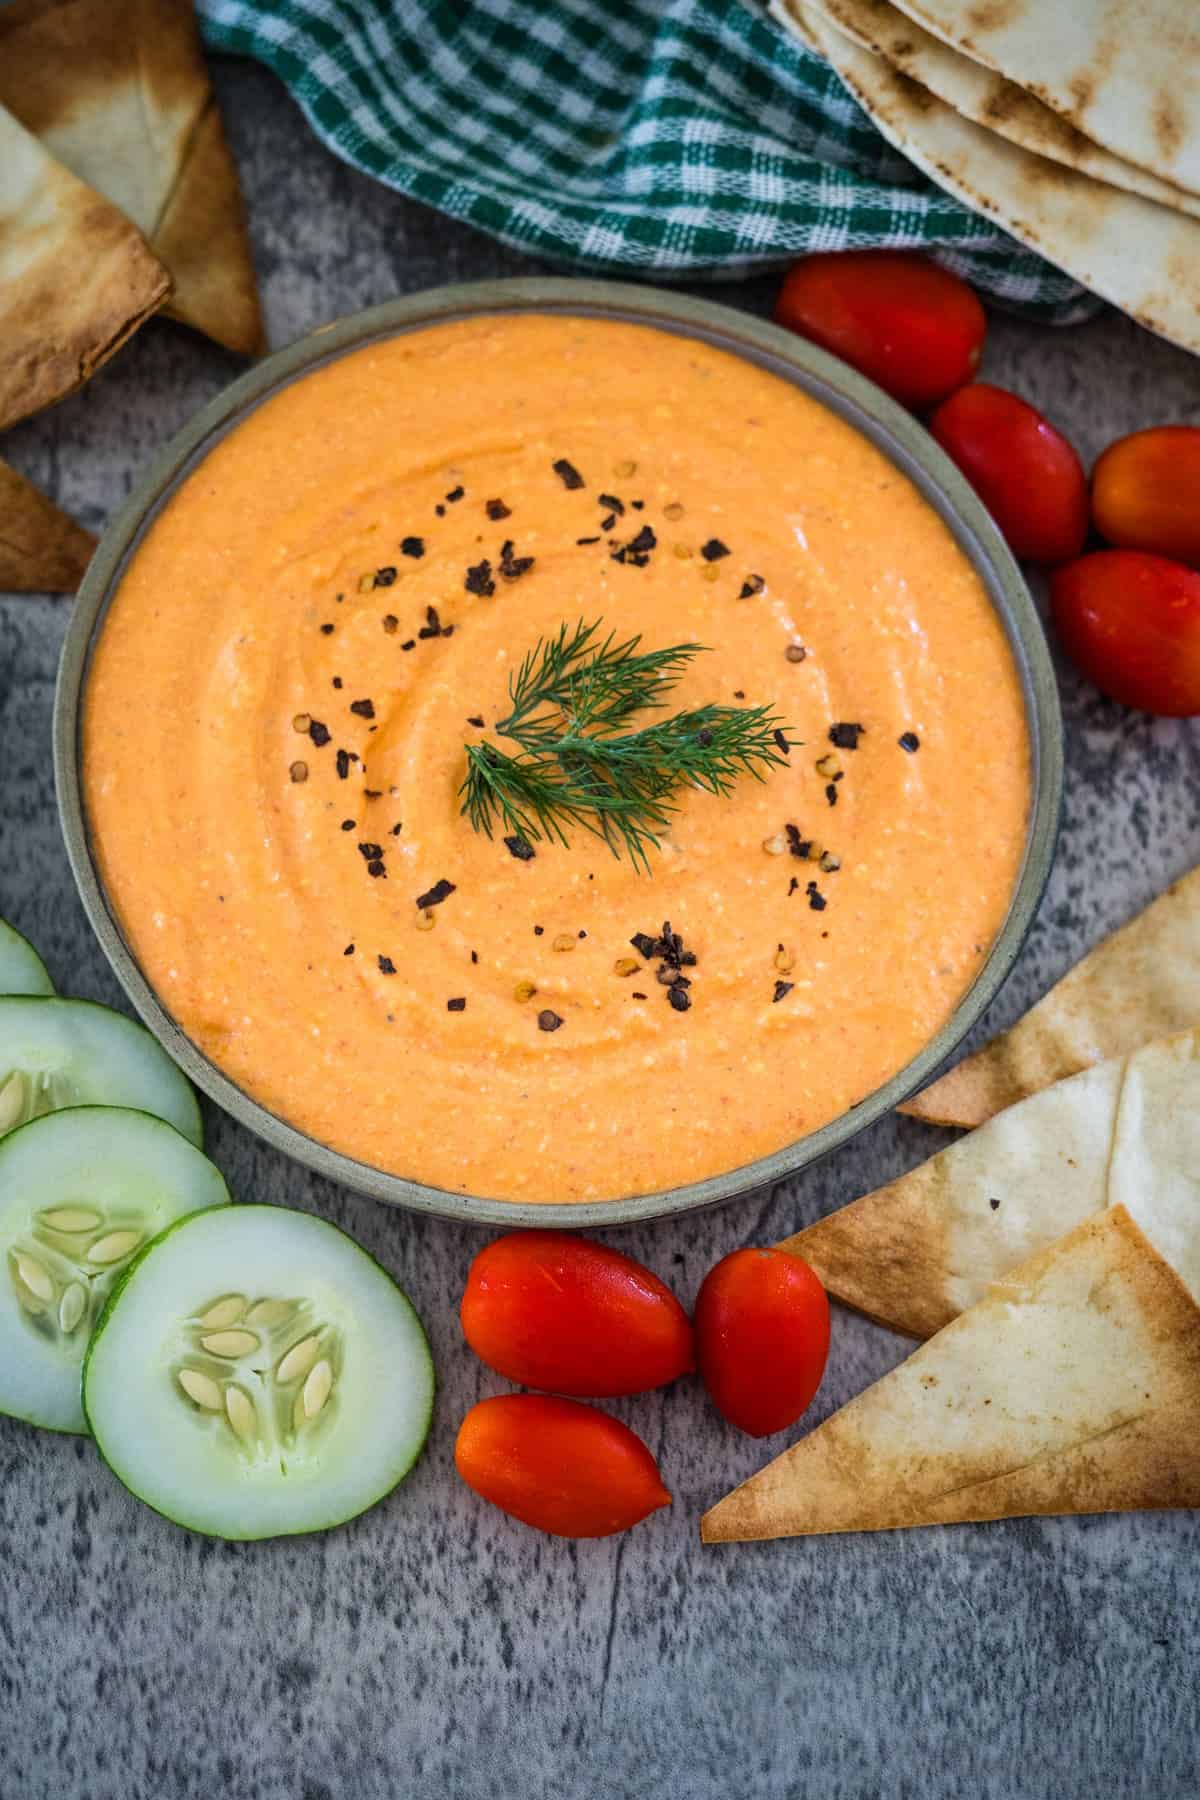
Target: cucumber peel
<point>22,970</point>
<point>256,1374</point>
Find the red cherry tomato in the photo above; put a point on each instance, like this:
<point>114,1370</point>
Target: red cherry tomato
<point>898,318</point>
<point>552,1310</point>
<point>762,1337</point>
<point>1025,472</point>
<point>558,1466</point>
<point>1131,622</point>
<point>1146,492</point>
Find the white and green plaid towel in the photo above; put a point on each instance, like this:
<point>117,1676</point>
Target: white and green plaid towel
<point>657,137</point>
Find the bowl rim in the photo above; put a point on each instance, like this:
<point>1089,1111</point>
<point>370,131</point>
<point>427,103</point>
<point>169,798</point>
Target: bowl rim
<point>895,432</point>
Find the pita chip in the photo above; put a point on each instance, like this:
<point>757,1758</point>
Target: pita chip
<point>1130,251</point>
<point>986,98</point>
<point>1143,982</point>
<point>42,551</point>
<point>118,91</point>
<point>76,278</point>
<point>1072,1387</point>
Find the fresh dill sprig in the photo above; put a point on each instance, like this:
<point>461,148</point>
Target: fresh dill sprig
<point>574,766</point>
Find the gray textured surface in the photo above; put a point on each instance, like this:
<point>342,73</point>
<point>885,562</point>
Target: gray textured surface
<point>433,1648</point>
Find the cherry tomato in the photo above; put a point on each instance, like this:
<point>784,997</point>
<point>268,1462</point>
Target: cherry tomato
<point>1146,492</point>
<point>762,1337</point>
<point>552,1310</point>
<point>557,1465</point>
<point>1131,622</point>
<point>1025,472</point>
<point>898,318</point>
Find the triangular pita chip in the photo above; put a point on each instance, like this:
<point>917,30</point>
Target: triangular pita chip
<point>76,278</point>
<point>1072,1388</point>
<point>988,99</point>
<point>1128,250</point>
<point>1143,982</point>
<point>924,1248</point>
<point>42,551</point>
<point>118,90</point>
<point>1123,71</point>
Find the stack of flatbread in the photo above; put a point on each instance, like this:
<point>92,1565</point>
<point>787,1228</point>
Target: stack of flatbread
<point>118,196</point>
<point>1076,127</point>
<point>1052,1260</point>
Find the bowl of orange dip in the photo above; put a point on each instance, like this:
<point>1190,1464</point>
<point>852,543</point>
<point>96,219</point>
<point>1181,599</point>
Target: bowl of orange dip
<point>317,601</point>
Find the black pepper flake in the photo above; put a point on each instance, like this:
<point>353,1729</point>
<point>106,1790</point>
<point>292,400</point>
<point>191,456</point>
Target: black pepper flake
<point>456,494</point>
<point>318,733</point>
<point>644,944</point>
<point>518,847</point>
<point>476,719</point>
<point>348,824</point>
<point>343,764</point>
<point>327,631</point>
<point>739,693</point>
<point>539,930</point>
<point>496,509</point>
<point>478,579</point>
<point>412,546</point>
<point>637,550</point>
<point>436,894</point>
<point>458,1005</point>
<point>391,624</point>
<point>845,736</point>
<point>385,577</point>
<point>796,844</point>
<point>781,988</point>
<point>513,567</point>
<point>474,956</point>
<point>637,505</point>
<point>397,828</point>
<point>386,965</point>
<point>793,884</point>
<point>679,997</point>
<point>704,738</point>
<point>409,644</point>
<point>433,625</point>
<point>636,996</point>
<point>608,521</point>
<point>364,708</point>
<point>816,898</point>
<point>547,1020</point>
<point>440,511</point>
<point>373,793</point>
<point>753,584</point>
<point>781,740</point>
<point>570,477</point>
<point>591,540</point>
<point>370,851</point>
<point>714,550</point>
<point>831,794</point>
<point>349,950</point>
<point>377,869</point>
<point>337,681</point>
<point>910,742</point>
<point>611,504</point>
<point>995,1205</point>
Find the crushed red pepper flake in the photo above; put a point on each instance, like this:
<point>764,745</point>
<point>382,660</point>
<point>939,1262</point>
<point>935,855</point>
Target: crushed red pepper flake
<point>845,736</point>
<point>496,509</point>
<point>714,550</point>
<point>364,708</point>
<point>568,474</point>
<point>478,580</point>
<point>435,895</point>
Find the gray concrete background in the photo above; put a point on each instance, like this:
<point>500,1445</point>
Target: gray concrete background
<point>433,1648</point>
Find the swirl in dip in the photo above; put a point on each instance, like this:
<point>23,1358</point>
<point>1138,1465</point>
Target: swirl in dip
<point>326,612</point>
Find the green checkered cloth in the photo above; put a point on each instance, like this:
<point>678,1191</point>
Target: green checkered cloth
<point>666,138</point>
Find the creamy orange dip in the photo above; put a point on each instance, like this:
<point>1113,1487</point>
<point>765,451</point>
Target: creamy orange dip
<point>273,750</point>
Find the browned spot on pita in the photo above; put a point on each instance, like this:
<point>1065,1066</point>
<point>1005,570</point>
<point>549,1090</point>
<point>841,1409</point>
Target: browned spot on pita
<point>42,551</point>
<point>1169,126</point>
<point>993,15</point>
<point>121,95</point>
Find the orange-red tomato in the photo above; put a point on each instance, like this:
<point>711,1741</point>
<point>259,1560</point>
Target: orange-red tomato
<point>762,1337</point>
<point>1131,621</point>
<point>552,1310</point>
<point>1146,492</point>
<point>557,1465</point>
<point>1025,472</point>
<point>898,318</point>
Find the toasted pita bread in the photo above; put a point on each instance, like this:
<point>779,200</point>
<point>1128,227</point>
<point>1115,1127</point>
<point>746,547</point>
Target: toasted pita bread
<point>1074,1387</point>
<point>1126,72</point>
<point>1136,254</point>
<point>1141,983</point>
<point>42,551</point>
<point>76,278</point>
<point>986,98</point>
<point>921,1250</point>
<point>118,91</point>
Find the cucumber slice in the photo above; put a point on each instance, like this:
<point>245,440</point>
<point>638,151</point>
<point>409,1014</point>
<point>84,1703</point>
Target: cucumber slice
<point>22,970</point>
<point>56,1053</point>
<point>257,1374</point>
<point>80,1192</point>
